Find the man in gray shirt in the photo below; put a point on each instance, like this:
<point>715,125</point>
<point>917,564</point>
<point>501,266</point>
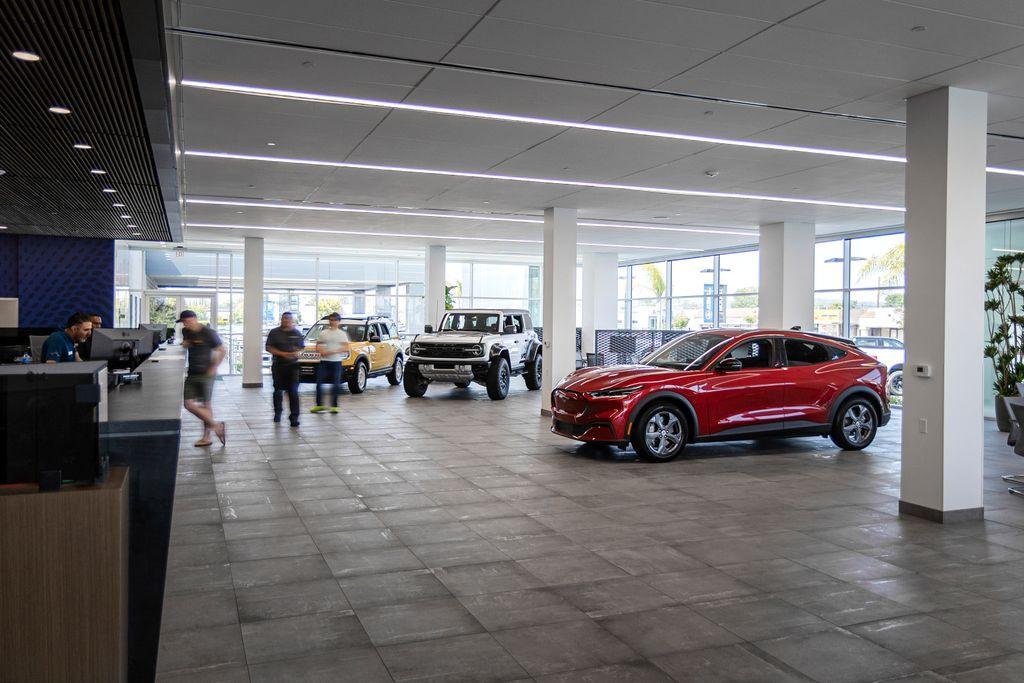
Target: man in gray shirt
<point>285,343</point>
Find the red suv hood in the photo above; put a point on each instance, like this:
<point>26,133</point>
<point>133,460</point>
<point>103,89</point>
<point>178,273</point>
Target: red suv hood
<point>615,377</point>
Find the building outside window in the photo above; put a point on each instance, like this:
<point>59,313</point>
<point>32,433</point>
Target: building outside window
<point>495,285</point>
<point>858,286</point>
<point>154,285</point>
<point>696,293</point>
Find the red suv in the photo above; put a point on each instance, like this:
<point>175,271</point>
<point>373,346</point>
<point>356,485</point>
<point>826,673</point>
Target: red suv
<point>721,385</point>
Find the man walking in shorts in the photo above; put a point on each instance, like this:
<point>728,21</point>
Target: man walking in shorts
<point>205,352</point>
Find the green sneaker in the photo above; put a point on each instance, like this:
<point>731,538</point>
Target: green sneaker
<point>317,409</point>
<point>334,411</point>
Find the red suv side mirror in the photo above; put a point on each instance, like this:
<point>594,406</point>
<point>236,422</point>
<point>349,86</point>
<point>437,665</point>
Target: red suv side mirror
<point>729,365</point>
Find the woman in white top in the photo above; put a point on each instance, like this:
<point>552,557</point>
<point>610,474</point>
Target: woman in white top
<point>332,343</point>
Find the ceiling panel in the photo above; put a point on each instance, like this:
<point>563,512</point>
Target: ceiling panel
<point>416,30</point>
<point>775,10</point>
<point>591,156</point>
<point>1003,11</point>
<point>891,22</point>
<point>678,115</point>
<point>563,53</point>
<point>509,95</point>
<point>298,129</point>
<point>780,82</point>
<point>268,66</point>
<point>985,76</point>
<point>793,45</point>
<point>635,19</point>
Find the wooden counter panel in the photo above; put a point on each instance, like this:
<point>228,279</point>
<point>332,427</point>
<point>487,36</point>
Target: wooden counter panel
<point>64,583</point>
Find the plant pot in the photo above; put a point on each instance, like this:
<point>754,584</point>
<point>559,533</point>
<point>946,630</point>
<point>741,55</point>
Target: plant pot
<point>1002,415</point>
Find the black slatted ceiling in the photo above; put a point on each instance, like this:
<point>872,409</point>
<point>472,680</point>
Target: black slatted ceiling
<point>86,66</point>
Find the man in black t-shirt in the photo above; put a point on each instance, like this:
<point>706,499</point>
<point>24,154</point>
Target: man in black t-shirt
<point>205,352</point>
<point>285,343</point>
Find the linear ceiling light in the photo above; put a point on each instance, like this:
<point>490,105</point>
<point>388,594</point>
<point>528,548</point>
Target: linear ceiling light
<point>368,233</point>
<point>514,118</point>
<point>544,181</point>
<point>464,216</point>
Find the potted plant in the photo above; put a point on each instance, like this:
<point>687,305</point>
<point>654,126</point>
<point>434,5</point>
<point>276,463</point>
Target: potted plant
<point>1004,306</point>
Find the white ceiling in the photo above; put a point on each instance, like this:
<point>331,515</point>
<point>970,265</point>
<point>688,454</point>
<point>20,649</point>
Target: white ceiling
<point>831,55</point>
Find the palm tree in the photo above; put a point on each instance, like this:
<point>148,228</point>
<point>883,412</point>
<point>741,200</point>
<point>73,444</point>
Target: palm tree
<point>657,280</point>
<point>888,266</point>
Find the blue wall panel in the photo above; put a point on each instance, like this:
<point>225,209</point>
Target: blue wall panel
<point>8,266</point>
<point>57,276</point>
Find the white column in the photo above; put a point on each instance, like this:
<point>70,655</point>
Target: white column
<point>785,293</point>
<point>252,310</point>
<point>559,300</point>
<point>600,295</point>
<point>943,468</point>
<point>434,270</point>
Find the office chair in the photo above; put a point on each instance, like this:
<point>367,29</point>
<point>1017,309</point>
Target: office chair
<point>1015,405</point>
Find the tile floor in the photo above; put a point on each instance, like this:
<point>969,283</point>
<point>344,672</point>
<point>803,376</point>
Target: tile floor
<point>452,538</point>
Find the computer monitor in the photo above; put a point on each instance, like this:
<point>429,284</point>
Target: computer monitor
<point>159,332</point>
<point>122,347</point>
<point>145,342</point>
<point>36,398</point>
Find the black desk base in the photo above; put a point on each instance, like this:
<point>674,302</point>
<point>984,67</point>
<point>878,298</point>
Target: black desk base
<point>152,459</point>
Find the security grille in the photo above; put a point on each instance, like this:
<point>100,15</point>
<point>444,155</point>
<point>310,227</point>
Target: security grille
<point>579,337</point>
<point>445,351</point>
<point>626,347</point>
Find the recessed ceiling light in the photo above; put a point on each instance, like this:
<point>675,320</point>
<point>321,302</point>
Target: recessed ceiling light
<point>3,227</point>
<point>2,171</point>
<point>124,215</point>
<point>118,206</point>
<point>98,171</point>
<point>711,173</point>
<point>132,226</point>
<point>109,190</point>
<point>136,234</point>
<point>545,181</point>
<point>409,211</point>
<point>59,110</point>
<point>418,236</point>
<point>271,144</point>
<point>81,145</point>
<point>26,56</point>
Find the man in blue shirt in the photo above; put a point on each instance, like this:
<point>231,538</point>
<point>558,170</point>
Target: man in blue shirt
<point>59,347</point>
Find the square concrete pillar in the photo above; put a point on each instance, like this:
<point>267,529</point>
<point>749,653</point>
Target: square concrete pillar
<point>252,310</point>
<point>943,440</point>
<point>600,295</point>
<point>434,270</point>
<point>785,295</point>
<point>559,346</point>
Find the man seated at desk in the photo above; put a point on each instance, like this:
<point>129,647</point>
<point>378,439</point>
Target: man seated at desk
<point>59,347</point>
<point>85,347</point>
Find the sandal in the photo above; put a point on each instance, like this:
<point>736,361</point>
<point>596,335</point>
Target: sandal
<point>203,442</point>
<point>221,433</point>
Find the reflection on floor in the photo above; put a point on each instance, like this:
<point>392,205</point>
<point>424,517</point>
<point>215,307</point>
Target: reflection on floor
<point>454,538</point>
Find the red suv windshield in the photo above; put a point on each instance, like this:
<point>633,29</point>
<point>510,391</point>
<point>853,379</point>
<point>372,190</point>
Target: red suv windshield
<point>687,353</point>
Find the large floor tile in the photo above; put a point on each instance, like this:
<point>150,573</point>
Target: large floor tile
<point>566,646</point>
